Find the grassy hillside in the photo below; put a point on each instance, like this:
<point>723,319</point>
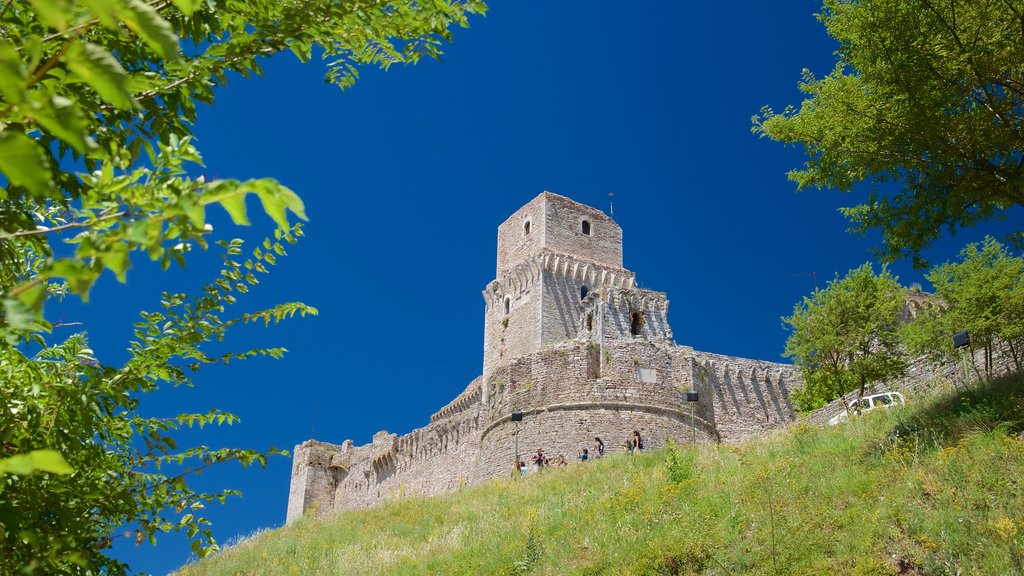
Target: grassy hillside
<point>933,489</point>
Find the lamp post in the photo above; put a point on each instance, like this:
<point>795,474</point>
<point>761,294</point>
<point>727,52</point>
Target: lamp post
<point>961,340</point>
<point>691,398</point>
<point>517,417</point>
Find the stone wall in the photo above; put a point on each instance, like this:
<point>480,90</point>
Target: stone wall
<point>563,232</point>
<point>435,459</point>
<point>514,244</point>
<point>749,396</point>
<point>510,335</point>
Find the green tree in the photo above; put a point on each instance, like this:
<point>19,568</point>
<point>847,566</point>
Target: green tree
<point>97,101</point>
<point>846,336</point>
<point>926,107</point>
<point>982,293</point>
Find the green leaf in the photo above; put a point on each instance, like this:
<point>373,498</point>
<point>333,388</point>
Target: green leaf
<point>235,206</point>
<point>100,70</point>
<point>12,73</point>
<point>53,13</point>
<point>277,199</point>
<point>118,262</point>
<point>63,119</point>
<point>18,314</point>
<point>24,162</point>
<point>79,275</point>
<point>154,30</point>
<point>107,11</point>
<point>33,296</point>
<point>36,460</point>
<point>186,6</point>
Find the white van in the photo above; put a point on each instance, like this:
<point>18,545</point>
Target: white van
<point>884,400</point>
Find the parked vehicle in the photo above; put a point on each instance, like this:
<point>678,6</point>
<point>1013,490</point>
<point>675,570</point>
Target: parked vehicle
<point>884,400</point>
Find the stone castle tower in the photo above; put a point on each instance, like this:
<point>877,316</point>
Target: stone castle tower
<point>572,345</point>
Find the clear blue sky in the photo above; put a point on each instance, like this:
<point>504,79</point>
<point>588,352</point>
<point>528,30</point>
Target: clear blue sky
<point>407,176</point>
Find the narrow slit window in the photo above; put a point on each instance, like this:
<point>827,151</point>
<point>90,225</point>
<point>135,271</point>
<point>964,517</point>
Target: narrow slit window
<point>508,305</point>
<point>526,228</point>
<point>583,292</point>
<point>590,322</point>
<point>585,227</point>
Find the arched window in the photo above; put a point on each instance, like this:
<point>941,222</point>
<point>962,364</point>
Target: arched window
<point>636,323</point>
<point>508,304</point>
<point>526,228</point>
<point>585,227</point>
<point>583,292</point>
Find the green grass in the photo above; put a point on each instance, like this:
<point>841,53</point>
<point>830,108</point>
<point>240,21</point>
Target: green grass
<point>935,488</point>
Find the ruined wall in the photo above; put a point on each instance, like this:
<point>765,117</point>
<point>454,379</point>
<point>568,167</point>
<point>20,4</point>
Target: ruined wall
<point>646,311</point>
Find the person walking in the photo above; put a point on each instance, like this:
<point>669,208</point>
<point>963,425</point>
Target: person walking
<point>637,442</point>
<point>600,447</point>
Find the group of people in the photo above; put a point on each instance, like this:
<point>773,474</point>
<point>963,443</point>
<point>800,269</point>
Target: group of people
<point>635,443</point>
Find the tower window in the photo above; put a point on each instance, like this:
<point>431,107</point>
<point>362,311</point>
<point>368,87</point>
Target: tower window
<point>508,305</point>
<point>585,227</point>
<point>636,323</point>
<point>526,228</point>
<point>590,322</point>
<point>583,292</point>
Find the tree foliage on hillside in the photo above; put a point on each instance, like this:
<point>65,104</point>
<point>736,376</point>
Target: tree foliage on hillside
<point>846,336</point>
<point>97,101</point>
<point>982,293</point>
<point>927,95</point>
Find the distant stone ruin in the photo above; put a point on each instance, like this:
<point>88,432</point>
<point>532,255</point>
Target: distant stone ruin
<point>578,350</point>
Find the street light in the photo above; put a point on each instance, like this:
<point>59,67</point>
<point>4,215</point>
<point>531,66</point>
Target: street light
<point>961,340</point>
<point>692,398</point>
<point>517,417</point>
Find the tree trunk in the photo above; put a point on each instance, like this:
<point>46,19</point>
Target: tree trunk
<point>1014,354</point>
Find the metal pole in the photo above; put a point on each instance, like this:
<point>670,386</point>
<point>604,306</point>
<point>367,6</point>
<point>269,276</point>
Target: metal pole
<point>693,424</point>
<point>967,369</point>
<point>517,448</point>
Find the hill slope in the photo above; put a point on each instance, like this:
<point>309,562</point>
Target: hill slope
<point>935,488</point>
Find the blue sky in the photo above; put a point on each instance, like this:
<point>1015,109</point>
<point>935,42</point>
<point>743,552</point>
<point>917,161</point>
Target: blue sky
<point>407,176</point>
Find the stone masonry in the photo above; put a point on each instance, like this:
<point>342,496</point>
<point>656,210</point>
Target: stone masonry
<point>572,344</point>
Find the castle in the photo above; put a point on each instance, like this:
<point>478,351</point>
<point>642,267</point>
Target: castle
<point>576,351</point>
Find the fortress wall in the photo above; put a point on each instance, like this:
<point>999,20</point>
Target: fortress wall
<point>513,245</point>
<point>435,459</point>
<point>567,431</point>
<point>312,484</point>
<point>565,403</point>
<point>515,334</point>
<point>621,304</point>
<point>749,396</point>
<point>638,371</point>
<point>562,232</point>
<point>562,311</point>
